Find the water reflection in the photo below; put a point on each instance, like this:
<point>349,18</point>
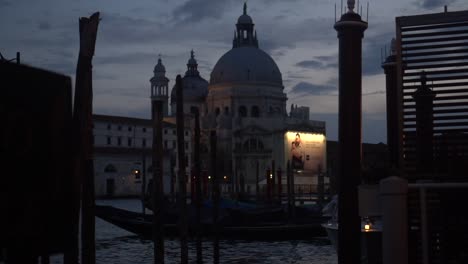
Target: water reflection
<point>115,245</point>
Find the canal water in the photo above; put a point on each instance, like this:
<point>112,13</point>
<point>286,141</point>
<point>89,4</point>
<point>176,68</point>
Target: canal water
<point>115,245</point>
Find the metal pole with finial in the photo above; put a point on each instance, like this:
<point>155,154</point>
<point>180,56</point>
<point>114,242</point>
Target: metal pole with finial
<point>350,29</point>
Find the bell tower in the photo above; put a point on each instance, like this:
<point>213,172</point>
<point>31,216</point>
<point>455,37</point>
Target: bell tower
<point>159,86</point>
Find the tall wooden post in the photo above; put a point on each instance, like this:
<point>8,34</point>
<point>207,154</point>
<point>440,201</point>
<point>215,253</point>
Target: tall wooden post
<point>268,183</point>
<point>278,174</point>
<point>182,197</point>
<point>288,189</point>
<point>320,185</point>
<point>83,110</point>
<point>158,190</point>
<point>198,180</point>
<point>272,178</point>
<point>257,186</point>
<point>350,30</point>
<point>293,195</point>
<point>143,182</point>
<point>215,196</point>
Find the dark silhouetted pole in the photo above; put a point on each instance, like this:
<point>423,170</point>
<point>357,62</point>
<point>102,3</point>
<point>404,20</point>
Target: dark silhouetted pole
<point>198,197</point>
<point>158,190</point>
<point>272,178</point>
<point>257,186</point>
<point>83,128</point>
<point>288,189</point>
<point>268,183</point>
<point>183,222</point>
<point>18,58</point>
<point>278,174</point>
<point>242,185</point>
<point>215,196</point>
<point>390,70</point>
<point>143,182</point>
<point>424,98</point>
<point>320,185</point>
<point>293,195</point>
<point>350,30</point>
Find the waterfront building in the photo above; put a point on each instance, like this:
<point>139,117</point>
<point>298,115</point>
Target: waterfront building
<point>122,145</point>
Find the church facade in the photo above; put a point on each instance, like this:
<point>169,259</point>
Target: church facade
<point>245,103</point>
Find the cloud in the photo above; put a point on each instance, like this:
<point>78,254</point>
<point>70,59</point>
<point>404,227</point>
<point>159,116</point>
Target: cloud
<point>313,89</point>
<point>194,11</point>
<point>126,58</point>
<point>371,52</point>
<point>373,93</point>
<point>310,64</point>
<point>433,4</point>
<point>319,62</point>
<point>44,25</point>
<point>5,3</point>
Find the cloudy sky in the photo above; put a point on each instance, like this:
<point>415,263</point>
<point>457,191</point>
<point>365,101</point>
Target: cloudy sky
<point>298,34</point>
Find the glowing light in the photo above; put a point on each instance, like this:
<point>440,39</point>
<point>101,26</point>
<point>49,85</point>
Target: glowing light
<point>225,177</point>
<point>209,177</point>
<point>366,227</point>
<point>291,135</point>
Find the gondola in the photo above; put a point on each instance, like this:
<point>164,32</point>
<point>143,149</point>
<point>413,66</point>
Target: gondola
<point>259,227</point>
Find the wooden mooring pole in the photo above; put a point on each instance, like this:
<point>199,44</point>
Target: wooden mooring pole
<point>182,177</point>
<point>82,118</point>
<point>198,180</point>
<point>215,197</point>
<point>257,186</point>
<point>158,190</point>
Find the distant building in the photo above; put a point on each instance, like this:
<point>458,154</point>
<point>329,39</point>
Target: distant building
<point>301,112</point>
<point>123,145</point>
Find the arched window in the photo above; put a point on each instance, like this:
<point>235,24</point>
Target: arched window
<point>110,168</point>
<point>255,112</point>
<point>217,111</point>
<point>242,111</point>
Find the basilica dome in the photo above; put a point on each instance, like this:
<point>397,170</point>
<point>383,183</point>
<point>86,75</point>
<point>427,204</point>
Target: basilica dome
<point>194,87</point>
<point>246,64</point>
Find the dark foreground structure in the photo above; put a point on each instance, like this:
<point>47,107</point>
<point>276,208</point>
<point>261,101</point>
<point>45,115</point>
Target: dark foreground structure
<point>427,76</point>
<point>36,188</point>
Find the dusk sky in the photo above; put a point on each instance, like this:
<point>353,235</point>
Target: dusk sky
<point>298,34</point>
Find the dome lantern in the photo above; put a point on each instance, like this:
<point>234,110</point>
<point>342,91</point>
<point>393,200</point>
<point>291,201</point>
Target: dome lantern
<point>245,29</point>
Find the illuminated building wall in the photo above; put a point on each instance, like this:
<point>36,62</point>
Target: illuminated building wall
<point>306,151</point>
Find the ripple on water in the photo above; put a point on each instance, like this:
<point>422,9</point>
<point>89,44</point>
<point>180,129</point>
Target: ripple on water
<point>117,246</point>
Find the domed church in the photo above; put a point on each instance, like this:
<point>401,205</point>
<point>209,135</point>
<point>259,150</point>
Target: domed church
<point>245,103</point>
